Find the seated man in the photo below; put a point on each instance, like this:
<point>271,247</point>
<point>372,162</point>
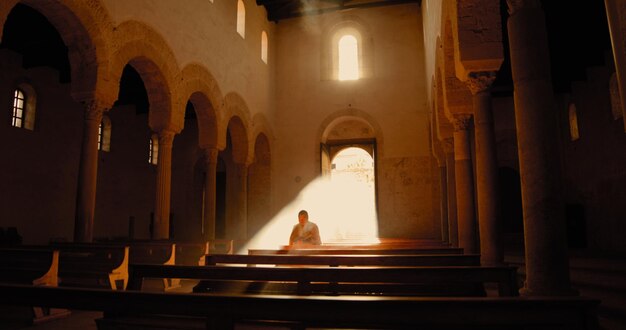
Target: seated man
<point>305,232</point>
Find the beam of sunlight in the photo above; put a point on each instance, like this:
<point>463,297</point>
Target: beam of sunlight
<point>343,208</point>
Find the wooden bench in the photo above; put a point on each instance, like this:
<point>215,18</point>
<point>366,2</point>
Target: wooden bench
<point>29,265</point>
<point>192,254</point>
<point>147,310</point>
<point>342,251</point>
<point>345,260</point>
<point>334,280</point>
<point>93,264</point>
<point>156,253</point>
<point>34,265</point>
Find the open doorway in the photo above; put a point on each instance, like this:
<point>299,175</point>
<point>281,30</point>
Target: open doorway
<point>349,169</point>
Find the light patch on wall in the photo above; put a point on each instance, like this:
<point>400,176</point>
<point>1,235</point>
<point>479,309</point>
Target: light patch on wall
<point>348,58</point>
<point>337,209</point>
<point>241,18</point>
<point>264,46</point>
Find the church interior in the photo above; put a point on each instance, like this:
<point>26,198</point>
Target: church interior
<point>481,138</point>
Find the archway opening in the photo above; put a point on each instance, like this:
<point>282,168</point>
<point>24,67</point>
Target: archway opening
<point>353,196</point>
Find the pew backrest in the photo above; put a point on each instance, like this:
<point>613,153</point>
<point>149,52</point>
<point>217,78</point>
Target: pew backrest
<point>218,311</point>
<point>365,277</point>
<point>336,251</point>
<point>31,265</point>
<point>78,261</point>
<point>345,260</point>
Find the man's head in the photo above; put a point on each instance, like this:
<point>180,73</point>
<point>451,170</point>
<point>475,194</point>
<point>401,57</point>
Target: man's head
<point>303,217</point>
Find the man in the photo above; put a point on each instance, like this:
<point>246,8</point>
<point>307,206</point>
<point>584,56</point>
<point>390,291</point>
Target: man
<point>305,232</point>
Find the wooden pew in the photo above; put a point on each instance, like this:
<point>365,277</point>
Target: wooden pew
<point>335,280</point>
<point>93,264</point>
<point>34,265</point>
<point>340,251</point>
<point>345,260</point>
<point>147,310</point>
<point>29,265</point>
<point>192,253</point>
<point>157,252</point>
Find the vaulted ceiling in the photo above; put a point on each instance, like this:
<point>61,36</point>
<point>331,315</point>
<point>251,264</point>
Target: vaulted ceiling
<point>282,9</point>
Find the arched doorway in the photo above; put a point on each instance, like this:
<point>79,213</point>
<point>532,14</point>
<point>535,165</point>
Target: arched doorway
<point>353,189</point>
<point>348,167</point>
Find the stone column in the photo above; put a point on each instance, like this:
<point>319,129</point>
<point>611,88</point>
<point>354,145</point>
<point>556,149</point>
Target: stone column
<point>87,174</point>
<point>613,10</point>
<point>486,169</point>
<point>163,186</point>
<point>241,201</point>
<point>453,229</point>
<point>547,266</point>
<point>464,176</point>
<point>210,158</point>
<point>443,205</point>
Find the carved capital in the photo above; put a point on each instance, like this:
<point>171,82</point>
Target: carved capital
<point>461,122</point>
<point>93,110</point>
<point>448,145</point>
<point>166,138</point>
<point>516,5</point>
<point>210,155</point>
<point>481,81</point>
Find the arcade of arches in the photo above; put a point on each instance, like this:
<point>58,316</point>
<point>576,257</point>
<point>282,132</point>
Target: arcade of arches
<point>165,122</point>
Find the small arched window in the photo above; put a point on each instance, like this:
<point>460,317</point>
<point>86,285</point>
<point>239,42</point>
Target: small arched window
<point>573,122</point>
<point>241,18</point>
<point>104,134</point>
<point>19,109</point>
<point>264,46</point>
<point>23,109</point>
<point>153,154</point>
<point>348,48</point>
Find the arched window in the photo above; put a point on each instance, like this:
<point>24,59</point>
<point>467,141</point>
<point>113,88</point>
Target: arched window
<point>347,50</point>
<point>264,47</point>
<point>153,155</point>
<point>23,110</point>
<point>19,105</point>
<point>241,18</point>
<point>573,122</point>
<point>348,57</point>
<point>104,134</point>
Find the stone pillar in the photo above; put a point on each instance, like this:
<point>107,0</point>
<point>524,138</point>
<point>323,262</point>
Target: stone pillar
<point>210,158</point>
<point>547,266</point>
<point>241,201</point>
<point>613,10</point>
<point>443,204</point>
<point>163,186</point>
<point>464,176</point>
<point>453,229</point>
<point>87,174</point>
<point>486,169</point>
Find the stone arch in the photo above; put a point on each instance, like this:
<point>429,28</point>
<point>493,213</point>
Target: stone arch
<point>349,115</point>
<point>86,30</point>
<point>259,186</point>
<point>146,51</point>
<point>237,121</point>
<point>457,96</point>
<point>200,87</point>
<point>260,125</point>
